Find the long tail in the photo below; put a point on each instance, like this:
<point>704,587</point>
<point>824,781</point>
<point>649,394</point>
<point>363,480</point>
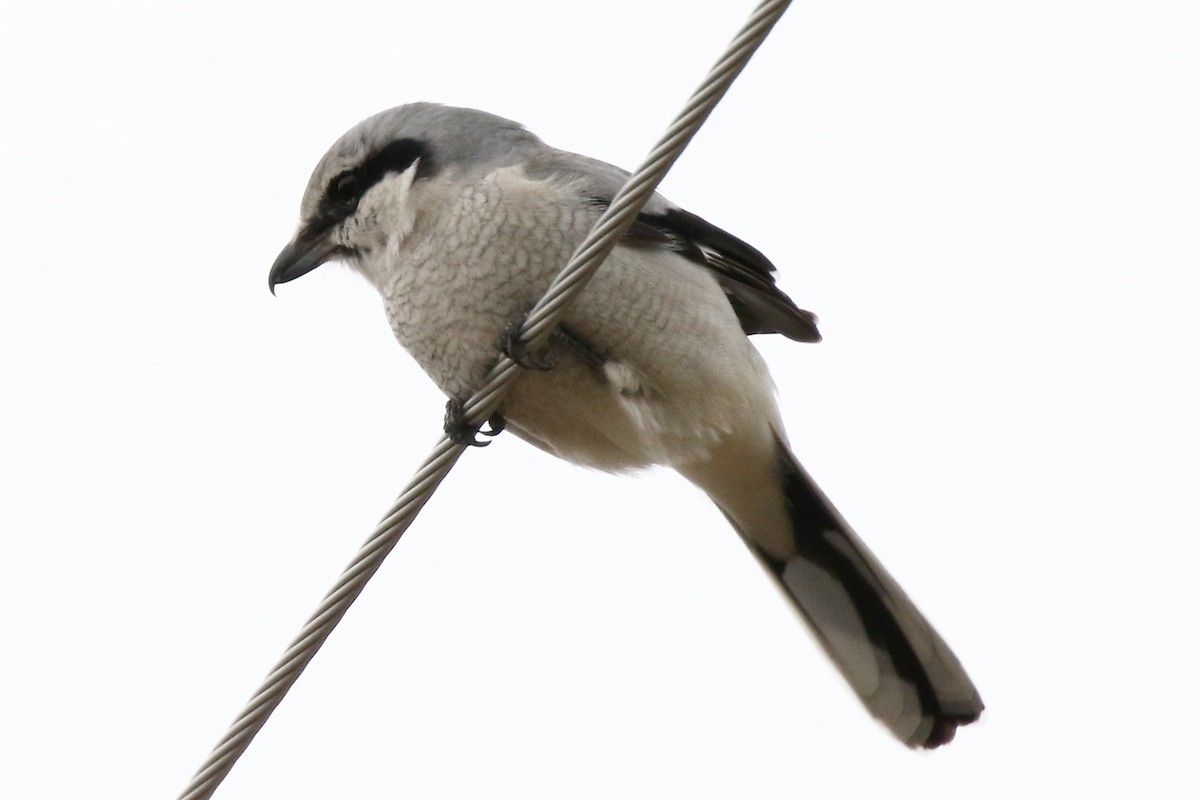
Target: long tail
<point>895,661</point>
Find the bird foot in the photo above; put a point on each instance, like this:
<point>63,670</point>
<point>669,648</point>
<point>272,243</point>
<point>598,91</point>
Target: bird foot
<point>512,346</point>
<point>460,432</point>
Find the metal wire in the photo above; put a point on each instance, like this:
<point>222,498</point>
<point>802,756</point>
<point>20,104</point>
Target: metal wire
<point>542,320</point>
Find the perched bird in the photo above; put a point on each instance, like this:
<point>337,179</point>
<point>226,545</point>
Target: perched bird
<point>460,219</point>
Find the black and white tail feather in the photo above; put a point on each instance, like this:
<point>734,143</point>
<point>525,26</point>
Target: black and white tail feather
<point>895,661</point>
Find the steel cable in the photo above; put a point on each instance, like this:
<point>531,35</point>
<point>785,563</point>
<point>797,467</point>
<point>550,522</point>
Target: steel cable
<point>542,319</point>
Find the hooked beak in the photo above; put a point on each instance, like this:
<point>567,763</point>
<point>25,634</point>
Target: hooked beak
<point>309,250</point>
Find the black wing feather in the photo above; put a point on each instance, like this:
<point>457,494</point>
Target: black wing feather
<point>745,274</point>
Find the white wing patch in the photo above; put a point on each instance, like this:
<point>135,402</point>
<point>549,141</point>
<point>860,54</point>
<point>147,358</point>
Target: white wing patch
<point>622,378</point>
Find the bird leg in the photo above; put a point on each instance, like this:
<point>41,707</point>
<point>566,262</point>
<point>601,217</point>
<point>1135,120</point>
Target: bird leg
<point>460,432</point>
<point>581,346</point>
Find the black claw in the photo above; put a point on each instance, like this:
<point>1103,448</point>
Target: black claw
<point>496,425</point>
<point>456,427</point>
<point>512,346</point>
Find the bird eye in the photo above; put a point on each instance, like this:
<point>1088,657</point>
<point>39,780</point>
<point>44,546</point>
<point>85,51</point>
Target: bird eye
<point>344,188</point>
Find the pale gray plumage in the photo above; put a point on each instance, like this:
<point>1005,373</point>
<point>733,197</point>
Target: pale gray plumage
<point>460,219</point>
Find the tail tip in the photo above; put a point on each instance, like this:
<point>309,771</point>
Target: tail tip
<point>944,728</point>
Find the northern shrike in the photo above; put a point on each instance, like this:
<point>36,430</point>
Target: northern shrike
<point>460,219</point>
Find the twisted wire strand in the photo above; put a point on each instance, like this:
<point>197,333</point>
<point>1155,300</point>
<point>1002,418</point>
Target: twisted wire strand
<point>535,333</point>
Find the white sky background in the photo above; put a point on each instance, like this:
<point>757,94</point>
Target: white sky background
<point>994,208</point>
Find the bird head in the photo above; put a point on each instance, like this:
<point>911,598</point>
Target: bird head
<point>365,194</point>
